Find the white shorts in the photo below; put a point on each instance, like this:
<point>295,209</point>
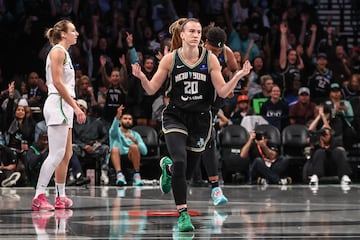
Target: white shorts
<point>57,111</point>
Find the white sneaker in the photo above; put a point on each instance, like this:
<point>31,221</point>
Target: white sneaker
<point>314,183</point>
<point>345,180</point>
<point>11,180</point>
<point>104,179</point>
<point>314,180</point>
<point>285,181</point>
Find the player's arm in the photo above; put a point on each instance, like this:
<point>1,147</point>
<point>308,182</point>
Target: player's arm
<point>224,89</point>
<point>152,86</point>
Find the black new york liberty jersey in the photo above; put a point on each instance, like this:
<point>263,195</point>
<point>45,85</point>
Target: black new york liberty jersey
<point>190,86</point>
<point>290,73</point>
<point>222,59</point>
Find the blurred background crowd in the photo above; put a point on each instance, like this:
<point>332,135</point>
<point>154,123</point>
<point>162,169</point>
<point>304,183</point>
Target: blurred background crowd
<point>288,44</point>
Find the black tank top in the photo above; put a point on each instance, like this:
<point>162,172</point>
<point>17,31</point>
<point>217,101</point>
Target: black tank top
<point>190,86</point>
<point>222,59</point>
<point>290,73</point>
<point>219,102</point>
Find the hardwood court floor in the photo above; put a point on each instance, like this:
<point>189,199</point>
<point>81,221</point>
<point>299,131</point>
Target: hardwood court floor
<point>254,212</point>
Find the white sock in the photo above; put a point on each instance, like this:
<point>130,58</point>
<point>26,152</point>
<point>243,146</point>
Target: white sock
<point>60,189</point>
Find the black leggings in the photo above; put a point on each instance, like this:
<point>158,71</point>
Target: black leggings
<point>209,157</point>
<point>333,159</point>
<point>184,163</point>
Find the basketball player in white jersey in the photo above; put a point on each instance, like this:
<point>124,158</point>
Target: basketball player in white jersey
<point>59,110</point>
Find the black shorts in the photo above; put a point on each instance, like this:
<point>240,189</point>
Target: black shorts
<point>196,125</point>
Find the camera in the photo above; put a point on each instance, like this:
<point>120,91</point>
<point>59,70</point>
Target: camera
<point>315,136</point>
<point>259,136</point>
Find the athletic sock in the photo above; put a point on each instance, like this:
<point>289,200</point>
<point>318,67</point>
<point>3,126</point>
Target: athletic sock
<point>214,184</point>
<point>182,210</point>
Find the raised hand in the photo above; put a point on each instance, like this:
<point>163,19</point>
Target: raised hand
<point>246,68</point>
<point>136,70</point>
<point>119,111</point>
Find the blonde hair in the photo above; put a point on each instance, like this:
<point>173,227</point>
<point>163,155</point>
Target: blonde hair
<point>264,78</point>
<point>54,33</point>
<point>175,29</point>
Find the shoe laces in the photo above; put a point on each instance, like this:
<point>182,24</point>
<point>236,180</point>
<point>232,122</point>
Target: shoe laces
<point>217,193</point>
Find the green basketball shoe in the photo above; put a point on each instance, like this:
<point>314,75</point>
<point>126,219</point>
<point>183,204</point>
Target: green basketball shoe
<point>165,178</point>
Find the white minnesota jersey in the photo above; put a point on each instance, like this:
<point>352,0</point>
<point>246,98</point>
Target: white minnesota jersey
<point>56,110</point>
<point>68,78</point>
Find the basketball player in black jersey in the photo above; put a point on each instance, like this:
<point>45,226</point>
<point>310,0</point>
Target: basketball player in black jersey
<point>187,119</point>
<point>215,42</point>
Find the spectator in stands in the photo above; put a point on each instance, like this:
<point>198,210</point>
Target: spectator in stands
<point>275,110</point>
<point>144,101</point>
<point>292,96</point>
<point>86,91</point>
<point>142,110</point>
<point>302,111</point>
<point>243,85</point>
<point>15,95</point>
<point>19,130</point>
<point>254,83</point>
<point>8,161</point>
<point>291,63</point>
<point>127,144</point>
<point>241,110</point>
<point>266,161</point>
<point>117,88</point>
<point>352,89</point>
<point>327,156</point>
<point>239,39</point>
<point>356,121</point>
<point>339,63</point>
<point>36,91</point>
<point>266,82</point>
<point>90,143</point>
<point>343,111</point>
<point>101,49</point>
<point>320,80</point>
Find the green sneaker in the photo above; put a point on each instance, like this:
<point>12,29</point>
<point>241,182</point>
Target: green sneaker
<point>165,178</point>
<point>184,223</point>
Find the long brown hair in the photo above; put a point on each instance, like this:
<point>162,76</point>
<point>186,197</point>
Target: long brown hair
<point>175,29</point>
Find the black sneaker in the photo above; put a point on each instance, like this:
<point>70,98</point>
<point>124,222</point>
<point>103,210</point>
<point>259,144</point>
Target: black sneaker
<point>82,181</point>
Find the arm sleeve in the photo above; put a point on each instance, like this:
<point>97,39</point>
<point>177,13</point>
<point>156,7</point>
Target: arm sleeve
<point>114,131</point>
<point>142,146</point>
<point>133,56</point>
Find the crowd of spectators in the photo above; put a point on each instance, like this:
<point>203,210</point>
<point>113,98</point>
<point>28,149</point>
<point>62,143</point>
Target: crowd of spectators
<point>288,47</point>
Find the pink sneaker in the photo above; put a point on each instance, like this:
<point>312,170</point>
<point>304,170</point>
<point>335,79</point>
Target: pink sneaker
<point>63,202</point>
<point>41,204</point>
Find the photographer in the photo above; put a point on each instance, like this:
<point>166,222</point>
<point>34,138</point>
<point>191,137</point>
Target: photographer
<point>266,162</point>
<point>327,153</point>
